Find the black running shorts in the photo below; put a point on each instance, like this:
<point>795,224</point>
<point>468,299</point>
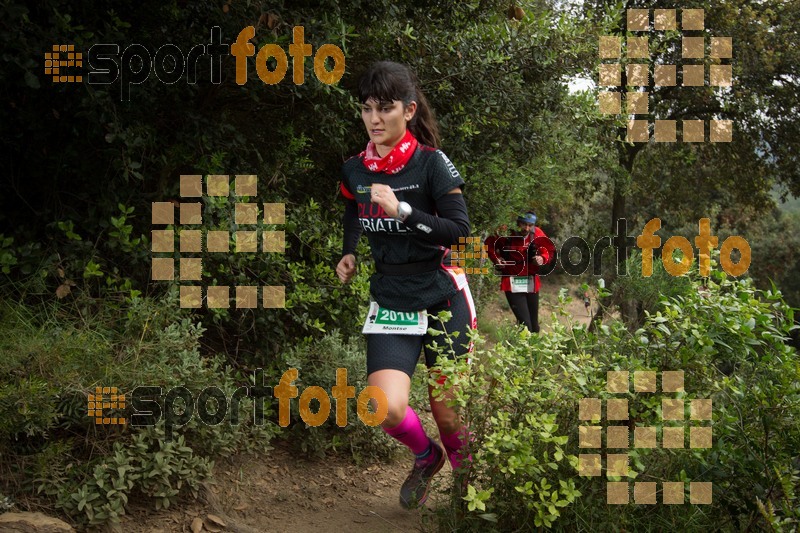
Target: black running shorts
<point>401,352</point>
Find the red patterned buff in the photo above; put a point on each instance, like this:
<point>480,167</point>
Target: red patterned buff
<point>395,160</point>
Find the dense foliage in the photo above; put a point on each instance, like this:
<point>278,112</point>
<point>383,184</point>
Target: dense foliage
<point>54,359</point>
<point>522,397</point>
<point>82,164</point>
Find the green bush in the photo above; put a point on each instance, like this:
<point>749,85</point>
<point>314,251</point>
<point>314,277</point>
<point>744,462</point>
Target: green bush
<point>48,444</point>
<point>522,474</point>
<point>647,292</point>
<point>522,397</point>
<point>149,467</point>
<point>317,363</point>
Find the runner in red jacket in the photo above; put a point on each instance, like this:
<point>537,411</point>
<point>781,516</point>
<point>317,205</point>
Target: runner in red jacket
<point>518,259</point>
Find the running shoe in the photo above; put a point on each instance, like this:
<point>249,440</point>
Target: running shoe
<point>414,491</point>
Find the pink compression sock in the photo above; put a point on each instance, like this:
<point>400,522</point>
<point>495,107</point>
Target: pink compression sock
<point>410,433</point>
<point>453,444</point>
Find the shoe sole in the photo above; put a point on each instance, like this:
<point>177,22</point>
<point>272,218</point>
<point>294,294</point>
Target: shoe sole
<point>424,497</point>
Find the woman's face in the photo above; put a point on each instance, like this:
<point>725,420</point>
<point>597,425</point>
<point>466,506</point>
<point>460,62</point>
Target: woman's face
<point>386,122</point>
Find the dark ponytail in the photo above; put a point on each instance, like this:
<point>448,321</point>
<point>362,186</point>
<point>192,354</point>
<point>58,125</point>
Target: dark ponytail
<point>386,81</point>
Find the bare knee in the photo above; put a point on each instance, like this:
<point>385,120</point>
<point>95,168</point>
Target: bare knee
<point>447,419</point>
<point>396,385</point>
<point>397,412</point>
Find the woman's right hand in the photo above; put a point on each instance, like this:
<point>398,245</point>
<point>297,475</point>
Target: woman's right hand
<point>346,268</point>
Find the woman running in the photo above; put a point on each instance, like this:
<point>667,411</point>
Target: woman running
<point>519,259</point>
<point>406,195</point>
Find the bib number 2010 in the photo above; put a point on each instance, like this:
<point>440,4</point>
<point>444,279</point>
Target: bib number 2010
<point>389,316</point>
<point>382,320</point>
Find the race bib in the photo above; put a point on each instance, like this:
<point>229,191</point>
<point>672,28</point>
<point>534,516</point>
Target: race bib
<point>382,320</point>
<point>522,284</point>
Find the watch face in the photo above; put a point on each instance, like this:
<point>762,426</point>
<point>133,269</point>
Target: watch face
<point>403,210</point>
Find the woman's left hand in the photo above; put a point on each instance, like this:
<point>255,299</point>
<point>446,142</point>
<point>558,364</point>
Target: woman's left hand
<point>539,259</point>
<point>383,195</point>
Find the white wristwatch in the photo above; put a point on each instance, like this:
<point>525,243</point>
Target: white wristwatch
<point>403,211</point>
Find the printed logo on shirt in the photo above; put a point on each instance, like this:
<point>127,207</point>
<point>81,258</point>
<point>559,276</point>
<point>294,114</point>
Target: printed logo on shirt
<point>366,189</point>
<point>450,166</point>
<point>406,188</point>
<point>374,219</point>
<point>383,225</point>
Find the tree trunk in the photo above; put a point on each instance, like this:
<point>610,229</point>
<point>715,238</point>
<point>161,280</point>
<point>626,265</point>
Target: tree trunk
<point>626,156</point>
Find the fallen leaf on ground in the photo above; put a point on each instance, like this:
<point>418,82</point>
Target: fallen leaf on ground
<point>217,520</point>
<point>62,291</point>
<point>211,527</point>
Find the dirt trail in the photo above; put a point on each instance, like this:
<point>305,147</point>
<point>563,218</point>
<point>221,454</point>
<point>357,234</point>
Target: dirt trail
<point>548,300</point>
<point>497,310</point>
<point>280,492</point>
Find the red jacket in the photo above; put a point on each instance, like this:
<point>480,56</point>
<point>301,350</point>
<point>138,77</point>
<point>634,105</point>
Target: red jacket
<point>514,256</point>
